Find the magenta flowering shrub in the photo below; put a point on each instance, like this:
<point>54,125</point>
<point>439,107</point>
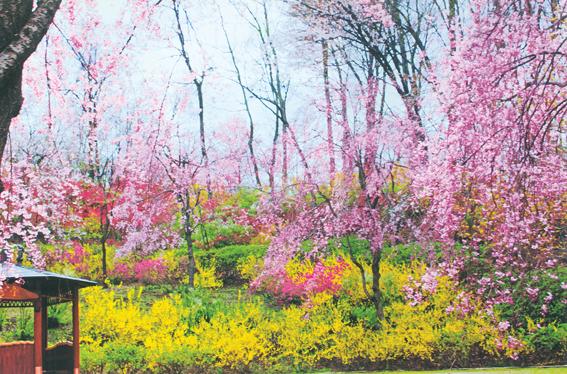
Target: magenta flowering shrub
<point>150,271</point>
<point>122,273</point>
<point>85,261</point>
<point>78,257</point>
<point>298,282</point>
<point>147,271</point>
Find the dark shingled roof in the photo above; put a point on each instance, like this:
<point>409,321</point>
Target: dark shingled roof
<point>46,283</point>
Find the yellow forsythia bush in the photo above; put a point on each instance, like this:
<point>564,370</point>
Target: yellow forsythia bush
<point>174,336</point>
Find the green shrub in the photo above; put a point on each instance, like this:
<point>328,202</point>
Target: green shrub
<point>200,305</point>
<point>220,233</point>
<point>525,306</point>
<point>548,343</point>
<point>401,254</point>
<point>124,358</point>
<point>24,326</point>
<point>58,315</point>
<point>3,317</point>
<point>229,258</point>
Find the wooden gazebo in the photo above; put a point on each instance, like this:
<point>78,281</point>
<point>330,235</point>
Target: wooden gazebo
<point>30,288</point>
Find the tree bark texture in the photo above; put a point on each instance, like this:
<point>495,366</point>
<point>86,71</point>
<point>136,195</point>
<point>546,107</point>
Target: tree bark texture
<point>21,30</point>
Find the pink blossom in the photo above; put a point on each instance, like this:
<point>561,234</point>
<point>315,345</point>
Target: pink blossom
<point>533,292</point>
<point>504,325</point>
<point>549,297</point>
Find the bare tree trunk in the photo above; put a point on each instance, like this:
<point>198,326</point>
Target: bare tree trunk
<point>284,151</point>
<point>188,229</point>
<point>252,155</point>
<point>93,159</point>
<point>328,108</point>
<point>346,139</point>
<point>10,104</point>
<point>377,299</point>
<point>199,85</point>
<point>198,82</point>
<point>274,151</point>
<point>105,233</point>
<point>376,296</point>
<point>370,143</point>
<point>21,30</point>
<point>453,12</point>
<point>247,106</point>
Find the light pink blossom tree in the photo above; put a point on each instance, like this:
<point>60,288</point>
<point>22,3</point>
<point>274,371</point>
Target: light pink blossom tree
<point>495,178</point>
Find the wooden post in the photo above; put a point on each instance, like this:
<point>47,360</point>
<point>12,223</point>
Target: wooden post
<point>44,324</point>
<point>76,355</point>
<point>38,336</point>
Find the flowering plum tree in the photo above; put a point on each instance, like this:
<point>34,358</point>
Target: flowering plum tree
<point>162,188</point>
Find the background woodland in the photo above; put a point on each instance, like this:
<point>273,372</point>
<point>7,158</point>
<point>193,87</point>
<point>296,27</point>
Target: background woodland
<point>386,175</point>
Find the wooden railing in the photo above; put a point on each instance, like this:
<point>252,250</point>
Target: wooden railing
<point>59,357</point>
<point>16,358</point>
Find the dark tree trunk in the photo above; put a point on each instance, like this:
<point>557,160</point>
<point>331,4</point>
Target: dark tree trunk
<point>274,144</point>
<point>190,258</point>
<point>104,271</point>
<point>10,103</point>
<point>377,293</point>
<point>105,233</point>
<point>376,296</point>
<point>21,30</point>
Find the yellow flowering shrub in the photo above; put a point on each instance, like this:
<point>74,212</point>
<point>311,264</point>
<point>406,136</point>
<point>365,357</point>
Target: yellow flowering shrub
<point>251,267</point>
<point>175,335</point>
<point>235,339</point>
<point>205,276</point>
<point>109,327</point>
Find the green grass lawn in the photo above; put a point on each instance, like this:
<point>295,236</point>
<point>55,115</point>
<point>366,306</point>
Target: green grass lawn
<point>555,370</point>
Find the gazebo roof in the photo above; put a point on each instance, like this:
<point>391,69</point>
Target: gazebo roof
<point>13,271</point>
<point>56,288</point>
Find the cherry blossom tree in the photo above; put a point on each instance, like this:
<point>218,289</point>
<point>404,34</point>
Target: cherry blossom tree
<point>165,186</point>
<point>371,204</point>
<point>495,177</point>
<point>74,99</point>
<point>37,205</point>
<point>485,186</point>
